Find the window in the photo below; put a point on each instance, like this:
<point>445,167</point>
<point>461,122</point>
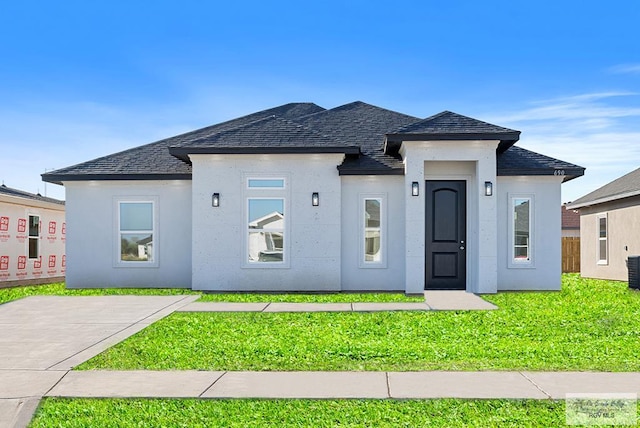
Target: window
<point>521,231</point>
<point>372,231</point>
<point>136,232</point>
<point>372,235</point>
<point>266,224</point>
<point>265,183</point>
<point>266,214</point>
<point>34,236</point>
<point>602,240</point>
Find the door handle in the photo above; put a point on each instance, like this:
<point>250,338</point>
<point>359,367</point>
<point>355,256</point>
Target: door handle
<point>462,247</point>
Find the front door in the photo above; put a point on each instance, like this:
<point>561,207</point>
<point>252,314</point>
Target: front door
<point>446,235</point>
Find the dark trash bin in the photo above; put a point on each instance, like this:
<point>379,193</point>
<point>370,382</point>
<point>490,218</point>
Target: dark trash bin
<point>633,265</point>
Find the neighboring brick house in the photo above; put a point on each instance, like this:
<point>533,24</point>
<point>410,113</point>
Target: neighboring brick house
<point>609,227</point>
<point>303,198</point>
<point>570,222</point>
<point>32,238</point>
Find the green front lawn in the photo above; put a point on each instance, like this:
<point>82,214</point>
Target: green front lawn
<point>590,325</point>
<point>58,412</point>
<point>57,289</point>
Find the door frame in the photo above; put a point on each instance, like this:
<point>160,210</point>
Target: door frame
<point>471,227</point>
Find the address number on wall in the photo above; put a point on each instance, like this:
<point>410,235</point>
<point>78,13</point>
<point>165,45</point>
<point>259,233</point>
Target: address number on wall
<point>558,172</point>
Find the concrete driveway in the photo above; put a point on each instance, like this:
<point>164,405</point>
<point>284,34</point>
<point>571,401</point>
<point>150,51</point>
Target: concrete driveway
<point>42,337</point>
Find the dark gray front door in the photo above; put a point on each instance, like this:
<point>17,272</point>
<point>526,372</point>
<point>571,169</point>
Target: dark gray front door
<point>446,235</point>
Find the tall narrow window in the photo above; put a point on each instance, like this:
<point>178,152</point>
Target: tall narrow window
<point>266,225</point>
<point>372,222</point>
<point>602,240</point>
<point>136,231</point>
<point>521,233</point>
<point>34,236</point>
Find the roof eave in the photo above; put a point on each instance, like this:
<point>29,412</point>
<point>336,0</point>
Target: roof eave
<point>578,204</point>
<point>184,152</point>
<point>507,139</point>
<point>370,171</point>
<point>568,173</point>
<point>61,178</point>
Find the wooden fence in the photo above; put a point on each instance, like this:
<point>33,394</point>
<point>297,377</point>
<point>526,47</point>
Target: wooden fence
<point>570,254</point>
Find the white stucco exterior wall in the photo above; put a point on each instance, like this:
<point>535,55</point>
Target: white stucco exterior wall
<point>545,270</point>
<point>390,275</point>
<point>475,163</point>
<point>92,235</point>
<point>312,234</point>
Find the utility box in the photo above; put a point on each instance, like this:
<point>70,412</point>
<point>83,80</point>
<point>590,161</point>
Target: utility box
<point>633,264</point>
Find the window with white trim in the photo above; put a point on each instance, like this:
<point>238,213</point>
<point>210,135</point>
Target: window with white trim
<point>266,220</point>
<point>136,232</point>
<point>266,230</point>
<point>603,239</point>
<point>372,231</point>
<point>521,235</point>
<point>34,236</point>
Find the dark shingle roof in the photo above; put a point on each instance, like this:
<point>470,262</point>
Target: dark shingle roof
<point>448,125</point>
<point>624,187</point>
<point>26,195</point>
<point>153,161</point>
<point>361,131</point>
<point>271,134</point>
<point>364,125</point>
<point>519,161</point>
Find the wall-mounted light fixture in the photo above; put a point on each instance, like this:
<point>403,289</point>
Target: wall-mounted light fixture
<point>488,188</point>
<point>415,188</point>
<point>315,199</point>
<point>215,200</point>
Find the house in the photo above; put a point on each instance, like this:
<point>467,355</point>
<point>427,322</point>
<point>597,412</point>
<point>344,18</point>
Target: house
<point>570,222</point>
<point>303,198</point>
<point>609,227</point>
<point>32,238</point>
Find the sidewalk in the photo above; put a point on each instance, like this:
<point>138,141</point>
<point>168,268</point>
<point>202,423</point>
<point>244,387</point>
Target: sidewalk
<point>323,385</point>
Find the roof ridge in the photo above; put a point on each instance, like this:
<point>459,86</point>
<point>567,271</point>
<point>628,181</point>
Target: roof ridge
<point>10,191</point>
<point>265,119</point>
<point>164,140</point>
<point>449,112</point>
<point>354,103</point>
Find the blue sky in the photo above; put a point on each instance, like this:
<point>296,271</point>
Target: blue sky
<point>82,79</point>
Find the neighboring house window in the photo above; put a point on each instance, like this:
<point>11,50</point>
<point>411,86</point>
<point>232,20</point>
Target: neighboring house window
<point>34,236</point>
<point>373,227</point>
<point>266,221</point>
<point>602,240</point>
<point>521,231</point>
<point>136,232</point>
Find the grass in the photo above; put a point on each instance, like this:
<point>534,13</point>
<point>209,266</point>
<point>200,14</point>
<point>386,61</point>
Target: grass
<point>589,325</point>
<point>58,289</point>
<point>61,412</point>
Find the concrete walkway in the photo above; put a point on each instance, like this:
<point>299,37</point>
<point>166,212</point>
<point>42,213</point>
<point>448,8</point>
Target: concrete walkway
<point>435,300</point>
<point>42,337</point>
